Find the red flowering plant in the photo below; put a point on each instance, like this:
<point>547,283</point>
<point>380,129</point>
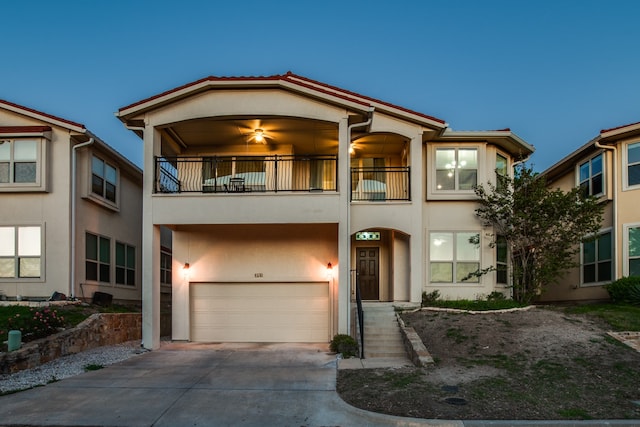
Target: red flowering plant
<point>36,324</point>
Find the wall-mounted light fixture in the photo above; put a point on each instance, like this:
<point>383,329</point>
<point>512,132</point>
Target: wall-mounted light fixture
<point>185,271</point>
<point>329,271</point>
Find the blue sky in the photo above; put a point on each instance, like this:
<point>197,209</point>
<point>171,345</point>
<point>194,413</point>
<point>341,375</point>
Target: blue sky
<point>554,71</point>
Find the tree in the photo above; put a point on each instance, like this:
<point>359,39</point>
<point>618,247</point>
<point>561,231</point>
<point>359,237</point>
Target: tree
<point>542,227</point>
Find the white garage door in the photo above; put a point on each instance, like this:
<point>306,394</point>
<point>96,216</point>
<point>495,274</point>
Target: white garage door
<point>259,312</point>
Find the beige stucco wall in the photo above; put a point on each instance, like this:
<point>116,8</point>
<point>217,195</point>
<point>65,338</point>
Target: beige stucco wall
<point>250,253</point>
<point>569,286</point>
<point>49,210</point>
<point>243,103</point>
<point>628,199</point>
<point>52,211</point>
<point>122,225</point>
<point>459,217</point>
<point>257,208</point>
<point>628,205</point>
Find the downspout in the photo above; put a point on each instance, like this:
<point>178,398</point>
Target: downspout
<point>134,128</point>
<point>616,246</point>
<point>349,129</point>
<point>72,287</point>
<point>526,159</point>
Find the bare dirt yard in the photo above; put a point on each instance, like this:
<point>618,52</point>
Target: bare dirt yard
<point>537,364</point>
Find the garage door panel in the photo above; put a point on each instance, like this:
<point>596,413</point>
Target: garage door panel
<point>260,312</point>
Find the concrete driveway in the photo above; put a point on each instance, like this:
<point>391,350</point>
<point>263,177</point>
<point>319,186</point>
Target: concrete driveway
<point>201,385</point>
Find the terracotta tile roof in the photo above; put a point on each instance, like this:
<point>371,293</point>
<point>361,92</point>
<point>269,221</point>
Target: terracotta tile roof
<point>294,79</point>
<point>334,88</point>
<point>618,127</point>
<point>40,113</point>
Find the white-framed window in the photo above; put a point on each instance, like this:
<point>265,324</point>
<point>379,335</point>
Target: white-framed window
<point>98,258</point>
<point>502,170</point>
<point>597,259</point>
<point>19,161</point>
<point>125,264</point>
<point>453,256</point>
<point>591,176</point>
<point>20,252</point>
<point>632,169</point>
<point>104,179</point>
<point>166,270</point>
<point>502,261</point>
<point>456,169</point>
<point>632,250</point>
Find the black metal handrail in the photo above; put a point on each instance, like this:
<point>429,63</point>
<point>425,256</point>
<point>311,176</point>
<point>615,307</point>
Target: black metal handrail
<point>230,174</point>
<point>380,183</point>
<point>360,316</point>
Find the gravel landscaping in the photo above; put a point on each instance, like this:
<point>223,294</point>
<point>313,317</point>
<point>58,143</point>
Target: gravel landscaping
<point>68,366</point>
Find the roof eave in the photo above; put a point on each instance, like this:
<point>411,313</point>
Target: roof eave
<point>568,162</point>
<point>500,137</point>
<point>39,115</point>
<point>289,81</point>
<point>631,130</point>
<point>112,151</point>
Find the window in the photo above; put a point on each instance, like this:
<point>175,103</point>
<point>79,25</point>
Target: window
<point>20,252</point>
<point>633,245</point>
<point>597,265</point>
<point>454,256</point>
<point>125,264</point>
<point>590,173</point>
<point>501,171</point>
<point>18,161</point>
<point>98,258</point>
<point>633,164</point>
<point>166,273</point>
<point>456,169</point>
<point>103,179</point>
<point>501,261</point>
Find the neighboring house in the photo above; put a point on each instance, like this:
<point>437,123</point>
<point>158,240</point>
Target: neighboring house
<point>607,167</point>
<point>70,211</point>
<point>282,193</point>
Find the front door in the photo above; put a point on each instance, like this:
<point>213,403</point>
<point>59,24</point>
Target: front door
<point>368,269</point>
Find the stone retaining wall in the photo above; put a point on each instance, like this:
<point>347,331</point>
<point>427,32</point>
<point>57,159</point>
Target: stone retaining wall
<point>417,352</point>
<point>98,330</point>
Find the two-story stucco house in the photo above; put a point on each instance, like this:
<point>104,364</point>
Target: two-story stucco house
<point>283,193</point>
<point>70,211</point>
<point>607,167</point>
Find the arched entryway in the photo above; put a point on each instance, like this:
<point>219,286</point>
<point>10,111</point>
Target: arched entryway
<point>381,264</point>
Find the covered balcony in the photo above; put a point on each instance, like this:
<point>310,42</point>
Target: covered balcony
<point>277,155</point>
<point>246,174</point>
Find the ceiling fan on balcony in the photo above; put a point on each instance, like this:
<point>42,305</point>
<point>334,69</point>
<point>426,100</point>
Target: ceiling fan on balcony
<point>257,132</point>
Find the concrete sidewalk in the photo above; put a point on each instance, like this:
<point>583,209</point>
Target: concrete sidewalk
<point>210,385</point>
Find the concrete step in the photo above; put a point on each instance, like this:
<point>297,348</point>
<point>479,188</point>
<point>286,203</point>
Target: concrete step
<point>382,336</point>
<point>388,336</point>
<point>384,354</point>
<point>386,340</point>
<point>383,349</point>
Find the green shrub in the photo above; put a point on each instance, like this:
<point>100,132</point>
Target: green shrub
<point>496,296</point>
<point>430,298</point>
<point>478,305</point>
<point>625,290</point>
<point>93,367</point>
<point>344,344</point>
